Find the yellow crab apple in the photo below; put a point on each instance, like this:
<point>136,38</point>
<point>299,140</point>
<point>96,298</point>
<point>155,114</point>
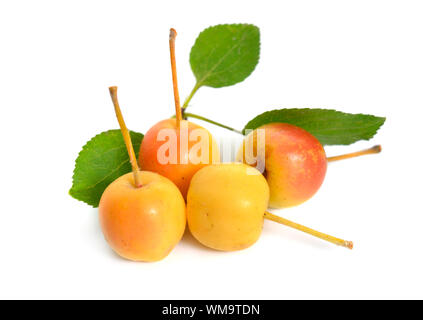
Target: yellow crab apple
<point>226,206</point>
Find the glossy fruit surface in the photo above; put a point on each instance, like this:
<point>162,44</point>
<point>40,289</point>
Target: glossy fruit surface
<point>294,160</point>
<point>225,206</point>
<point>178,153</point>
<point>145,223</point>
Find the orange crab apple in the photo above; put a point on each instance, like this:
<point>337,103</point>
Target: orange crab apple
<point>178,153</point>
<point>177,148</point>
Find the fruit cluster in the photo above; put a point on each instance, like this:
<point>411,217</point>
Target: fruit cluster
<point>143,214</point>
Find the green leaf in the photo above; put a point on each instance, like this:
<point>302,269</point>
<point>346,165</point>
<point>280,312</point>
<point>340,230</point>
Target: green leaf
<point>225,54</point>
<point>102,160</point>
<point>331,127</point>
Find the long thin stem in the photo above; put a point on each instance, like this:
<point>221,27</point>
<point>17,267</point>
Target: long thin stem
<point>172,36</point>
<point>323,236</point>
<point>372,150</point>
<point>196,116</point>
<point>126,137</point>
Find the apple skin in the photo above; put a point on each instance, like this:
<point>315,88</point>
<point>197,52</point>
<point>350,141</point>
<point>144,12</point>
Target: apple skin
<point>295,163</point>
<point>226,204</point>
<point>144,223</point>
<point>180,173</point>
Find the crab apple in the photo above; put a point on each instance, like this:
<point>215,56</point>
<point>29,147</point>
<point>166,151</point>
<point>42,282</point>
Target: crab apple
<point>292,160</point>
<point>142,214</point>
<point>177,153</point>
<point>227,204</point>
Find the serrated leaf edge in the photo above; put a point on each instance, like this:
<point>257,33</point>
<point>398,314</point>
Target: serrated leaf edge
<point>72,190</point>
<point>383,119</point>
<point>199,83</point>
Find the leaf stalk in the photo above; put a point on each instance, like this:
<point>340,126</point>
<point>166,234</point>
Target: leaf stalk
<point>196,116</point>
<point>188,99</point>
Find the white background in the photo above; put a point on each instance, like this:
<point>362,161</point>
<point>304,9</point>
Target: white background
<point>59,57</point>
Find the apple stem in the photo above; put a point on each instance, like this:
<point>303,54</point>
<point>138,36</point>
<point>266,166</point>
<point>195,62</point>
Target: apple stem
<point>323,236</point>
<point>172,36</point>
<point>372,150</point>
<point>126,137</point>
